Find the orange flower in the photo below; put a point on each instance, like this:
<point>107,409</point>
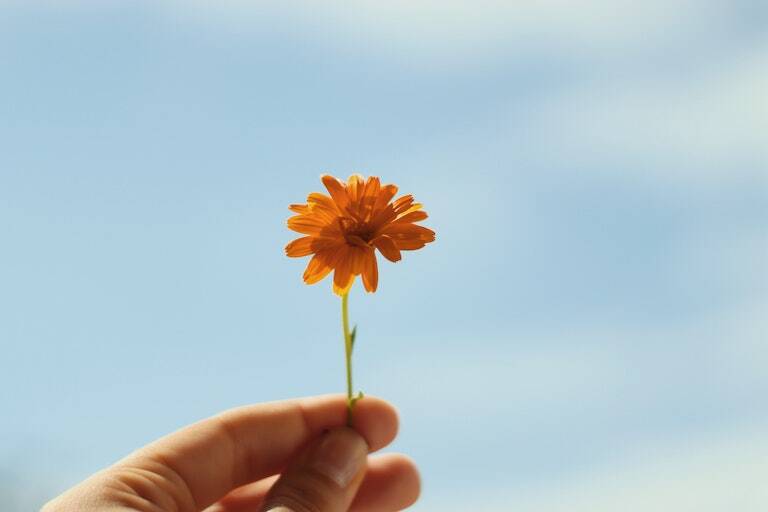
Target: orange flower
<point>344,230</point>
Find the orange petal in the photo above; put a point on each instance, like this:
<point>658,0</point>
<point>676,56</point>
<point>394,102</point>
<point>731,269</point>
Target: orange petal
<point>413,208</point>
<point>323,243</point>
<point>409,237</point>
<point>299,208</point>
<point>355,188</point>
<point>387,247</point>
<point>370,272</point>
<point>403,203</point>
<point>307,224</point>
<point>317,268</point>
<point>343,276</point>
<point>358,255</point>
<point>372,187</point>
<point>300,247</point>
<point>414,216</point>
<point>383,217</point>
<point>409,244</point>
<point>409,231</point>
<point>321,203</point>
<point>386,193</point>
<point>343,291</point>
<point>337,190</point>
<point>370,195</point>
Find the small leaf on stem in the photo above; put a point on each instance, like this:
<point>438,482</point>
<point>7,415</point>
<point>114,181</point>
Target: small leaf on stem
<point>352,337</point>
<point>354,400</point>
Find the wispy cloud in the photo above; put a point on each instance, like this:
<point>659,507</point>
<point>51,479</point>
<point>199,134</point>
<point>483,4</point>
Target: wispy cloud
<point>602,380</point>
<point>455,29</point>
<point>643,410</point>
<point>709,473</point>
<point>727,261</point>
<point>704,125</point>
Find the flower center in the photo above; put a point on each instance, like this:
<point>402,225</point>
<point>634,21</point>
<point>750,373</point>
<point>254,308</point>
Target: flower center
<point>355,232</point>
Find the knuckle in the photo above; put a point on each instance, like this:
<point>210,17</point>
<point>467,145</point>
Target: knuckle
<point>305,491</point>
<point>151,484</point>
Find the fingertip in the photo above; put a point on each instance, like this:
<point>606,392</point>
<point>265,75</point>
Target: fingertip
<point>408,478</point>
<point>391,483</point>
<point>376,420</point>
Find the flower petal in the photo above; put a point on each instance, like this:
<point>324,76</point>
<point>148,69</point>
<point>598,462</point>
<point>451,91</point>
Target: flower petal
<point>343,290</point>
<point>372,186</point>
<point>370,195</point>
<point>300,247</point>
<point>322,204</point>
<point>408,230</point>
<point>370,272</point>
<point>307,224</point>
<point>387,248</point>
<point>342,275</point>
<point>409,244</point>
<point>409,237</point>
<point>337,190</point>
<point>317,268</point>
<point>403,203</point>
<point>358,258</point>
<point>382,218</point>
<point>386,193</point>
<point>299,208</point>
<point>355,189</point>
<point>413,216</point>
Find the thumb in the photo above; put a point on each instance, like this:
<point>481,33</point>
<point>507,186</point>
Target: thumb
<point>324,477</point>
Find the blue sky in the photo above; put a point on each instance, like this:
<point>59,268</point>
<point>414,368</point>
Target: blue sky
<point>587,333</point>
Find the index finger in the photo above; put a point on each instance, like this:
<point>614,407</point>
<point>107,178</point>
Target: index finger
<point>216,455</point>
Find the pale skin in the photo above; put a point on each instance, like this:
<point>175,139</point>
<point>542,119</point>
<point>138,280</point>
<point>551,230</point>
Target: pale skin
<point>294,455</point>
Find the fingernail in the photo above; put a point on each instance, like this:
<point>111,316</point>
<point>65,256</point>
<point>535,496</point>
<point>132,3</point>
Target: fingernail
<point>340,455</point>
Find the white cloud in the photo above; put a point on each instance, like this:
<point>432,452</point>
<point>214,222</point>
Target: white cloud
<point>549,380</point>
<point>726,260</point>
<point>700,474</point>
<point>584,388</point>
<point>598,381</point>
<point>743,347</point>
<point>450,29</point>
<point>705,126</point>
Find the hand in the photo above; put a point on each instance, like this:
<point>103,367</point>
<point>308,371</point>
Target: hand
<point>286,456</point>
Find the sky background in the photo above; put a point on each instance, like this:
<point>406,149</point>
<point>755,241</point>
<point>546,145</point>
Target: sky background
<point>588,333</point>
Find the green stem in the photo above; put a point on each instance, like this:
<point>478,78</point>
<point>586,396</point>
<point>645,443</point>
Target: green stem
<point>348,354</point>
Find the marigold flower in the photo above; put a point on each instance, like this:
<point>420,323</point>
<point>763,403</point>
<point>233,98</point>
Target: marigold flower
<point>345,230</point>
